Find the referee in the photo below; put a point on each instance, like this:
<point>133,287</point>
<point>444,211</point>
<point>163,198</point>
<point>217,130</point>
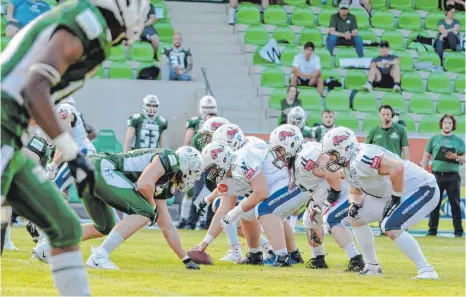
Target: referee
<point>447,151</point>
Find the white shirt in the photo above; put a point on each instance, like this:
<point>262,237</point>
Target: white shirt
<point>307,67</point>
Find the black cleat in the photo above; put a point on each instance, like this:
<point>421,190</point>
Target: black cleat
<point>282,261</point>
<point>296,257</point>
<point>182,224</point>
<point>355,264</point>
<point>317,263</point>
<point>252,259</point>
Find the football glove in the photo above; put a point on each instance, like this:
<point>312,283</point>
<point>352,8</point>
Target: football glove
<point>390,206</point>
<point>353,210</point>
<point>231,216</point>
<point>32,229</point>
<point>190,265</point>
<point>83,174</point>
<point>202,206</point>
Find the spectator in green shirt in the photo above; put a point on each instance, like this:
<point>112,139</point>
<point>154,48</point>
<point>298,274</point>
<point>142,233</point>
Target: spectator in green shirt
<point>447,151</point>
<point>389,135</point>
<point>288,103</point>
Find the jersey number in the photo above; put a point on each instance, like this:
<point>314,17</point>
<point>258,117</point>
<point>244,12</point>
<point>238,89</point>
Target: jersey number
<point>149,138</point>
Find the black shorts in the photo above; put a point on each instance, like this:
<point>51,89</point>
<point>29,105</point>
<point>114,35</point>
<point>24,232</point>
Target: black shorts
<point>386,82</point>
<point>304,82</point>
<point>147,33</point>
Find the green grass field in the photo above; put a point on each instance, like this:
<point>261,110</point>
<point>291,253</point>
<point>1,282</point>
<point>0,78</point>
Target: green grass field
<point>149,267</point>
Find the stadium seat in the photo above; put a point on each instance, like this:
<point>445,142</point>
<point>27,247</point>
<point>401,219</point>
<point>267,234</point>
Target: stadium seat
<point>410,125</point>
<point>432,19</point>
<point>295,2</point>
<point>413,35</point>
<point>348,120</point>
<point>367,34</point>
<point>106,141</point>
<point>411,81</point>
<point>165,31</point>
<point>117,53</point>
<point>288,54</point>
<point>99,73</point>
<point>311,34</point>
<point>355,79</point>
<point>284,33</point>
<point>258,60</point>
<point>395,100</point>
<point>325,15</point>
<point>438,82</point>
<point>461,17</point>
<point>325,57</point>
<point>337,100</point>
<point>406,60</point>
<point>394,38</point>
<point>141,52</point>
<point>311,99</point>
<point>3,25</point>
<point>276,97</point>
<point>370,121</point>
<point>459,84</point>
<point>429,57</point>
<point>379,4</point>
<point>429,124</point>
<point>426,4</point>
<point>347,52</point>
<point>362,19</point>
<point>365,101</point>
<point>275,15</point>
<point>454,62</point>
<point>409,20</point>
<point>460,127</point>
<point>4,42</point>
<point>314,117</point>
<point>421,104</point>
<point>273,77</point>
<point>120,70</point>
<point>162,5</point>
<point>449,104</point>
<point>248,14</point>
<point>302,16</point>
<point>256,35</point>
<point>401,4</point>
<point>327,73</point>
<point>319,3</point>
<point>383,19</point>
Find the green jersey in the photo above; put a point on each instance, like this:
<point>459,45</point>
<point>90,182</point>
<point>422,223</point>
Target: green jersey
<point>319,132</point>
<point>307,132</point>
<point>392,139</point>
<point>434,145</point>
<point>197,142</point>
<point>148,130</point>
<point>177,57</point>
<point>195,123</point>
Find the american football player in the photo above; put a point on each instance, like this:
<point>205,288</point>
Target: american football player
<point>297,117</point>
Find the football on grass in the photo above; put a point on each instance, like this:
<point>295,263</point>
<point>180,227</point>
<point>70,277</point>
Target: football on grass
<point>200,257</point>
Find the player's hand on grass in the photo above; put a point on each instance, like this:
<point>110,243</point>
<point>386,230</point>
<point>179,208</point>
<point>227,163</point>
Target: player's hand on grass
<point>202,246</point>
<point>190,265</point>
<point>83,174</point>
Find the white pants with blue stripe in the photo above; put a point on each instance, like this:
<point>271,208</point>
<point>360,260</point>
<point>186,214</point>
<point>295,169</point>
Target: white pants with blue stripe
<point>63,179</point>
<point>282,202</point>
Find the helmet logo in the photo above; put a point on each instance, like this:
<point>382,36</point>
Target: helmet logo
<point>63,113</point>
<point>285,134</point>
<point>214,153</point>
<point>337,140</point>
<point>214,126</point>
<point>231,133</point>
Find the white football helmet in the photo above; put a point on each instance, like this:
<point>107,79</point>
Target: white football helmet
<point>150,105</point>
<point>207,105</point>
<point>190,167</point>
<point>129,13</point>
<point>297,117</point>
<point>338,142</point>
<point>70,100</point>
<point>209,127</point>
<point>217,158</point>
<point>284,143</point>
<point>65,115</point>
<point>231,134</point>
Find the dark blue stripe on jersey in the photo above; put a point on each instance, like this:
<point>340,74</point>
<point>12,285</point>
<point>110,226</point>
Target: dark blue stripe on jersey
<point>367,157</point>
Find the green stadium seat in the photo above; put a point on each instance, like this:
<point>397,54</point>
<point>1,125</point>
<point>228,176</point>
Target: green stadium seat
<point>409,20</point>
<point>401,4</point>
<point>362,19</point>
<point>429,57</point>
<point>432,19</point>
<point>311,34</point>
<point>365,101</point>
<point>371,52</point>
<point>325,15</point>
<point>413,35</point>
<point>120,70</point>
<point>273,77</point>
<point>288,54</point>
<point>421,104</point>
<point>256,35</point>
<point>355,79</point>
<point>459,84</point>
<point>383,19</point>
<point>394,38</point>
<point>429,124</point>
<point>319,3</point>
<point>327,73</point>
<point>295,2</point>
<point>162,5</point>
<point>4,42</point>
<point>3,25</point>
<point>165,31</point>
<point>449,104</point>
<point>367,34</point>
<point>337,100</point>
<point>117,53</point>
<point>370,121</point>
<point>141,52</point>
<point>325,57</point>
<point>302,16</point>
<point>284,33</point>
<point>411,81</point>
<point>454,62</point>
<point>348,120</point>
<point>410,125</point>
<point>106,141</point>
<point>276,98</point>
<point>460,127</point>
<point>406,60</point>
<point>347,52</point>
<point>311,99</point>
<point>438,82</point>
<point>461,17</point>
<point>314,118</point>
<point>275,15</point>
<point>379,4</point>
<point>395,100</point>
<point>426,4</point>
<point>258,60</point>
<point>248,14</point>
<point>99,73</point>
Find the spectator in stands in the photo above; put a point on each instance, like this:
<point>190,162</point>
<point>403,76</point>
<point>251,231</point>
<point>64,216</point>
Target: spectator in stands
<point>460,5</point>
<point>180,60</point>
<point>397,117</point>
<point>389,135</point>
<point>234,4</point>
<point>289,102</point>
<point>344,30</point>
<point>306,69</point>
<point>449,30</point>
<point>328,122</point>
<point>384,71</point>
<point>447,150</point>
<point>22,12</point>
<point>149,34</point>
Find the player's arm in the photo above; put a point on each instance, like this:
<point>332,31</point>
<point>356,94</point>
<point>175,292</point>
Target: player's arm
<point>188,136</point>
<point>146,182</point>
<point>425,160</point>
<point>395,170</point>
<point>259,194</point>
<point>211,197</point>
<point>129,138</point>
<point>404,144</point>
<point>162,139</point>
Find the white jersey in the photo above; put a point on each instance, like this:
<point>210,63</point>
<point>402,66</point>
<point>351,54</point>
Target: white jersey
<point>78,131</point>
<point>253,140</point>
<point>363,172</point>
<point>306,161</point>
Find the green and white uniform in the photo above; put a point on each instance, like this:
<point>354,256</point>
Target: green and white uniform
<point>319,132</point>
<point>115,175</point>
<point>40,147</point>
<point>199,144</point>
<point>307,132</point>
<point>195,123</point>
<point>148,130</point>
<point>24,184</point>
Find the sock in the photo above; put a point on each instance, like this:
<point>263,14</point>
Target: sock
<point>365,239</point>
<point>7,236</point>
<point>318,251</point>
<point>115,215</point>
<point>254,250</point>
<point>281,252</point>
<point>185,207</point>
<point>410,247</point>
<point>232,233</point>
<point>112,241</point>
<point>231,15</point>
<point>351,250</point>
<point>69,275</point>
<point>293,220</point>
<point>42,235</point>
<point>264,242</point>
<point>369,82</point>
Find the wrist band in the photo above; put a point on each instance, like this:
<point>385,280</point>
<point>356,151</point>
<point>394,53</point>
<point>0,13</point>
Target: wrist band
<point>208,238</point>
<point>397,194</point>
<point>67,146</point>
<point>185,258</point>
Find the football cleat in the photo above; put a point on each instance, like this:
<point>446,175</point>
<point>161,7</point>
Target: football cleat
<point>317,263</point>
<point>100,259</point>
<point>371,270</point>
<point>41,252</point>
<point>427,273</point>
<point>355,264</point>
<point>234,254</point>
<point>296,257</point>
<point>182,224</point>
<point>269,257</point>
<point>252,259</point>
<point>282,261</point>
